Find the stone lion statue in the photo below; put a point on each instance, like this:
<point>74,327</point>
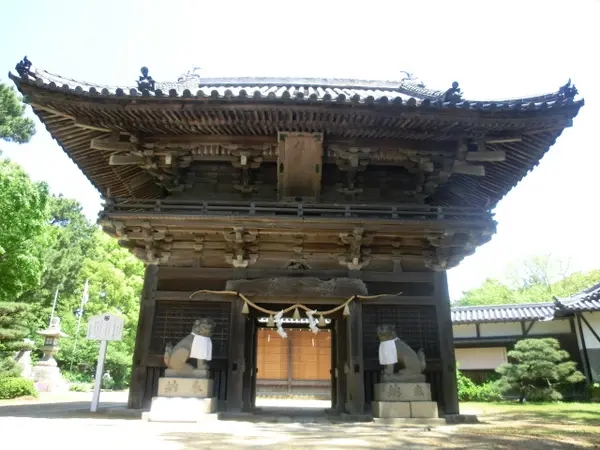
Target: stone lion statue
<point>393,351</point>
<point>196,345</point>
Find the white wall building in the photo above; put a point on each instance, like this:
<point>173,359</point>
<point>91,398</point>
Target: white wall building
<point>483,335</point>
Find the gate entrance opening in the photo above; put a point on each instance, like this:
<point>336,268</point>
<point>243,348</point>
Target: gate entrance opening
<point>296,367</point>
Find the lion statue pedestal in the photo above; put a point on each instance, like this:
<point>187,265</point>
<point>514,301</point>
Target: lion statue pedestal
<point>185,392</point>
<point>402,394</point>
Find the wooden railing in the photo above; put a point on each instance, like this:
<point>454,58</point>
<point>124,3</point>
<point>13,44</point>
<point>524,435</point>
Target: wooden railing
<point>294,210</point>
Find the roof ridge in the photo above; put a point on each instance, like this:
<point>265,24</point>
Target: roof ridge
<point>503,305</point>
<point>408,87</point>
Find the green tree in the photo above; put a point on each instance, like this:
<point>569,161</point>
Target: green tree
<point>13,126</point>
<point>491,292</point>
<point>71,238</point>
<point>538,279</point>
<point>115,279</point>
<point>22,221</point>
<point>537,369</point>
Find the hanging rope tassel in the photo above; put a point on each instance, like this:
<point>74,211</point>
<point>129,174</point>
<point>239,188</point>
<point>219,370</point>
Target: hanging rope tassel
<point>322,321</point>
<point>296,313</point>
<point>245,309</point>
<point>271,321</point>
<point>346,312</point>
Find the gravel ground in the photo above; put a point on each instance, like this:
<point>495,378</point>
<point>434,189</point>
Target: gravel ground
<point>31,424</point>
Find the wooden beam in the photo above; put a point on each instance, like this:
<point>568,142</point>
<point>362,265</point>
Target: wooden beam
<point>171,273</point>
<point>125,160</point>
<point>497,156</point>
<point>587,368</point>
<point>503,140</point>
<point>111,145</point>
<point>464,168</point>
<point>590,328</point>
<point>528,329</point>
<point>154,141</point>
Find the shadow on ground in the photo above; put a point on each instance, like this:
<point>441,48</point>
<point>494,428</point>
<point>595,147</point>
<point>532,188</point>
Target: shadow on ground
<point>309,436</point>
<point>63,410</point>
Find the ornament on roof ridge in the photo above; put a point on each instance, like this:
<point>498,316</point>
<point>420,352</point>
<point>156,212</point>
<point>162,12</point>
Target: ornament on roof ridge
<point>454,94</point>
<point>410,78</point>
<point>568,90</point>
<point>23,68</point>
<point>145,81</point>
<point>190,75</point>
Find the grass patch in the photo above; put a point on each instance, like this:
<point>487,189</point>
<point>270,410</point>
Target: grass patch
<point>575,424</point>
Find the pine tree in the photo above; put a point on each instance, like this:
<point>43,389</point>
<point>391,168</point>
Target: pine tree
<point>537,369</point>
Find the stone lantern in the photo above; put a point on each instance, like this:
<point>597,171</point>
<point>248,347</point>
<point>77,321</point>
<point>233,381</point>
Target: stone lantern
<point>46,373</point>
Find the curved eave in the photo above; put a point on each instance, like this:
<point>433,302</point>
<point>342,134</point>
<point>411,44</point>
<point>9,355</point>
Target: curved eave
<point>404,95</point>
<point>540,122</point>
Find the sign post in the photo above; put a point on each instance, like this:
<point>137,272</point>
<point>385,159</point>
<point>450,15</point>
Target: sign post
<point>103,328</point>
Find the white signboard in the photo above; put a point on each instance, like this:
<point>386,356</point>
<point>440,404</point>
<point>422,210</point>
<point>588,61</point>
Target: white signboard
<point>105,327</point>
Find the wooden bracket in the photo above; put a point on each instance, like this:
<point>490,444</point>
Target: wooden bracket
<point>358,253</point>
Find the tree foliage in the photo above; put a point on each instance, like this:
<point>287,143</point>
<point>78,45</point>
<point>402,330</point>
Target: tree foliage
<point>115,281</point>
<point>538,279</point>
<point>22,221</point>
<point>13,126</point>
<point>537,369</point>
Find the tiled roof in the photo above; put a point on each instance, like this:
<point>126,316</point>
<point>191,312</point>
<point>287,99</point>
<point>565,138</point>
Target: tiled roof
<point>503,313</point>
<point>377,113</point>
<point>586,300</point>
<point>296,90</point>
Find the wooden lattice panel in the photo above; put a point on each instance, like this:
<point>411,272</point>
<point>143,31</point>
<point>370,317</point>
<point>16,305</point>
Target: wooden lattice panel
<point>273,356</point>
<point>311,355</point>
<point>173,321</point>
<point>416,325</point>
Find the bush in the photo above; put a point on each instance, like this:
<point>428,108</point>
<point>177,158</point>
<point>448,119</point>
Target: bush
<point>468,391</point>
<point>77,377</point>
<point>80,387</point>
<point>16,387</point>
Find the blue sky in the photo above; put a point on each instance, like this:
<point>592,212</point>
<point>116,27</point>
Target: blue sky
<point>495,49</point>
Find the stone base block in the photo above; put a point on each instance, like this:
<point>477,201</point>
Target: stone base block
<point>402,392</point>
<point>47,378</point>
<point>411,423</point>
<point>180,409</point>
<point>415,410</point>
<point>185,387</point>
<point>391,409</point>
<point>425,410</point>
<point>196,373</point>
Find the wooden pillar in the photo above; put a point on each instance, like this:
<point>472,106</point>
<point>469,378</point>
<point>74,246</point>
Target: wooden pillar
<point>235,371</point>
<point>249,364</point>
<point>139,371</point>
<point>341,356</point>
<point>355,371</point>
<point>290,362</point>
<point>447,356</point>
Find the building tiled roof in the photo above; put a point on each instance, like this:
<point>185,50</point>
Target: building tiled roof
<point>503,313</point>
<point>376,113</point>
<point>298,90</point>
<point>586,300</point>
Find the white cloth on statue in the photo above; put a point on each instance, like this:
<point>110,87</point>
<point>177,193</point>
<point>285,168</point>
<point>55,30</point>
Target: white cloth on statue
<point>201,348</point>
<point>387,352</point>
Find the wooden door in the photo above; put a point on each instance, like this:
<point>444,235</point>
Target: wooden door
<point>273,354</point>
<point>311,355</point>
